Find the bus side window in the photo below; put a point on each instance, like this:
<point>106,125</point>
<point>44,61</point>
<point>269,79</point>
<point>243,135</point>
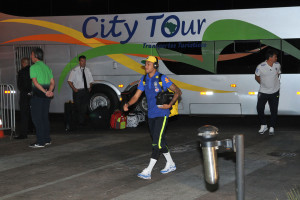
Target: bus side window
<point>242,57</point>
<point>188,58</point>
<point>23,52</point>
<point>247,46</point>
<point>290,56</point>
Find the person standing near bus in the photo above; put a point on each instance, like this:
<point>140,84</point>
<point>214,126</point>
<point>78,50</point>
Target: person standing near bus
<point>42,92</point>
<point>267,75</point>
<point>80,80</point>
<point>157,116</point>
<point>25,86</point>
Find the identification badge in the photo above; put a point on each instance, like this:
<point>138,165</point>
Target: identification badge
<point>155,86</point>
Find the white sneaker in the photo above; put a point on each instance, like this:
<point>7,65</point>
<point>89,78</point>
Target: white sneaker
<point>48,143</point>
<point>271,131</point>
<point>145,174</point>
<point>263,129</point>
<point>36,145</point>
<point>168,168</point>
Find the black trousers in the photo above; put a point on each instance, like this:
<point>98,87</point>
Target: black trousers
<point>157,128</point>
<point>81,100</point>
<point>25,114</point>
<point>273,100</point>
<point>39,112</point>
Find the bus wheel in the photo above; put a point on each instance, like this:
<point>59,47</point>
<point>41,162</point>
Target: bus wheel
<point>142,104</point>
<point>107,99</point>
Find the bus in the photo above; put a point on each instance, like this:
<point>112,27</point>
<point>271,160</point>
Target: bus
<point>210,55</point>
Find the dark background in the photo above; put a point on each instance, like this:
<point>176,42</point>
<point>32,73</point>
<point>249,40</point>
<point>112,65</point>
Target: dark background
<point>94,7</point>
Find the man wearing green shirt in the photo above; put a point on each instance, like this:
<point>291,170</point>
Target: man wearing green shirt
<point>42,89</point>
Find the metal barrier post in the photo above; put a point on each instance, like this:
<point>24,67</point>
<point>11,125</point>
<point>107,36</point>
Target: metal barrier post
<point>240,175</point>
<point>7,108</point>
<point>209,144</point>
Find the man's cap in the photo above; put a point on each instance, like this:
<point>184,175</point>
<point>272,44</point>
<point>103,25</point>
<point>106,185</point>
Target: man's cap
<point>150,59</point>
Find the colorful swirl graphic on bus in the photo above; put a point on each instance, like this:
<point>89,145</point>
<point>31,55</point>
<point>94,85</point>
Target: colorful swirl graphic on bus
<point>227,30</point>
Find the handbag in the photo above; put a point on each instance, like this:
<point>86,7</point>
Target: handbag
<point>165,97</point>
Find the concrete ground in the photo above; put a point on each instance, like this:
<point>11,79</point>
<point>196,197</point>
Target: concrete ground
<point>103,164</point>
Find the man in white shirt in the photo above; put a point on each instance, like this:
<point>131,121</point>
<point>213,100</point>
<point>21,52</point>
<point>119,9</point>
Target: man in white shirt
<point>80,80</point>
<point>267,75</point>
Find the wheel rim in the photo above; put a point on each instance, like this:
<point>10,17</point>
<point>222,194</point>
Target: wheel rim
<point>144,104</point>
<point>98,100</point>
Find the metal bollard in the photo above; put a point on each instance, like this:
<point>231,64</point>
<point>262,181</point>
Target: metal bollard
<point>208,136</point>
<point>240,177</point>
<point>209,144</point>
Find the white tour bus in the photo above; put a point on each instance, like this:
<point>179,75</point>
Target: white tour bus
<point>210,55</point>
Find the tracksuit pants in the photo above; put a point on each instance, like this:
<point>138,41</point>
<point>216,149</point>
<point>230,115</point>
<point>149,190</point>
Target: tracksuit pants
<point>273,100</point>
<point>157,128</point>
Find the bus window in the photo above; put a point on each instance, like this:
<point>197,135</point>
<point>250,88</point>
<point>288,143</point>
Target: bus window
<point>231,62</point>
<point>246,46</point>
<point>23,52</point>
<point>290,56</point>
<point>187,58</point>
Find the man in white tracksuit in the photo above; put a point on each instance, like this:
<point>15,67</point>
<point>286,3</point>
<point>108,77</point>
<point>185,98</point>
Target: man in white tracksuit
<point>267,75</point>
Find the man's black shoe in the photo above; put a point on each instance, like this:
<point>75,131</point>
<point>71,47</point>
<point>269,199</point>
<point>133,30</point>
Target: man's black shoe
<point>21,137</point>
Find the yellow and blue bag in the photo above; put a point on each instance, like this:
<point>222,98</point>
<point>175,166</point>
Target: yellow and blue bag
<point>165,97</point>
<point>174,108</point>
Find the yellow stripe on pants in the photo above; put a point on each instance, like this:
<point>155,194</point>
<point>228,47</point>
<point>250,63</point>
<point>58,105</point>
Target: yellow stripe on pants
<point>161,132</point>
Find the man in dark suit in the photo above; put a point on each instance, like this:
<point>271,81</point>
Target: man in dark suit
<point>25,86</point>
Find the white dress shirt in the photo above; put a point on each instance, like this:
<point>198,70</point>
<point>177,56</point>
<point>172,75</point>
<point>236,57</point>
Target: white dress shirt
<point>76,77</point>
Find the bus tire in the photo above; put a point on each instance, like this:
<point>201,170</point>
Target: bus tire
<point>142,104</point>
<point>103,96</point>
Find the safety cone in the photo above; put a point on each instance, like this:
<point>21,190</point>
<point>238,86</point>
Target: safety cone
<point>1,131</point>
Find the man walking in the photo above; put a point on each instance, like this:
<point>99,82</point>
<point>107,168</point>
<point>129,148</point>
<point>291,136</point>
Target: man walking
<point>157,115</point>
<point>267,75</point>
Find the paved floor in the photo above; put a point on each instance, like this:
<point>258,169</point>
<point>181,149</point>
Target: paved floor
<point>103,164</point>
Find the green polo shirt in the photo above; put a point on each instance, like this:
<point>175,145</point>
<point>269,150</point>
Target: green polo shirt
<point>43,75</point>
